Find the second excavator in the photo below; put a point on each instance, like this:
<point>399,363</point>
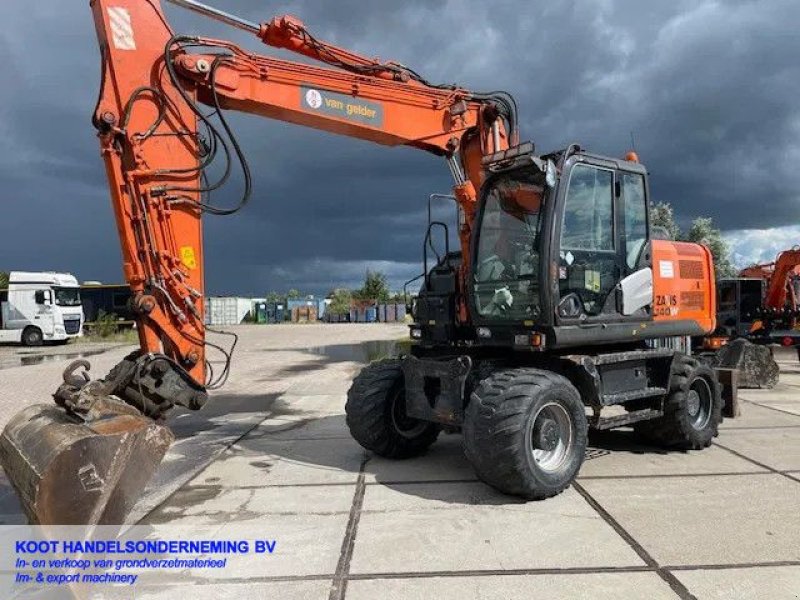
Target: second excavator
<point>549,319</point>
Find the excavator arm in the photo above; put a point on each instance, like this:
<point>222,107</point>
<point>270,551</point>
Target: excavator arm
<point>779,289</point>
<point>157,142</point>
<point>161,124</point>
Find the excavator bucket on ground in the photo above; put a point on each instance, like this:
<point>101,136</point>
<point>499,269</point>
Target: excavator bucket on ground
<point>84,462</point>
<point>755,364</point>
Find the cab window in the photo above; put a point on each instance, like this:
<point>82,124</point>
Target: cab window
<point>635,217</point>
<point>588,262</point>
<point>588,212</point>
<point>506,271</point>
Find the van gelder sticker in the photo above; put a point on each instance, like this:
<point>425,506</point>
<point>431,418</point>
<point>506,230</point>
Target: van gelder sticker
<point>121,29</point>
<point>666,269</point>
<point>341,106</point>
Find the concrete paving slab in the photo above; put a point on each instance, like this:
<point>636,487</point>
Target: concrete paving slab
<point>776,448</point>
<point>461,526</point>
<point>216,504</point>
<point>618,453</point>
<point>323,427</point>
<point>284,590</point>
<point>754,415</point>
<point>787,407</point>
<point>289,462</point>
<point>305,545</point>
<point>309,405</point>
<point>322,386</point>
<point>706,520</point>
<point>755,583</point>
<point>783,393</point>
<point>594,586</point>
<point>444,461</point>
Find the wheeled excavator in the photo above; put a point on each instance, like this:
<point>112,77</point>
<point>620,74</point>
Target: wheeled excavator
<point>549,319</point>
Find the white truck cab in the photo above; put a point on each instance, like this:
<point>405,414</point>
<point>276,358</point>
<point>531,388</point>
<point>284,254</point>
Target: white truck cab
<point>40,307</point>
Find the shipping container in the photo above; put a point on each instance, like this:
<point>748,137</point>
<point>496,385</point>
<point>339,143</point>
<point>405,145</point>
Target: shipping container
<point>391,313</point>
<point>227,310</point>
<point>260,312</point>
<point>304,314</point>
<point>401,313</point>
<point>306,303</point>
<point>371,314</point>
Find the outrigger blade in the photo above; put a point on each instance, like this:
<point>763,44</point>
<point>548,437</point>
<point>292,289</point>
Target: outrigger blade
<point>84,462</point>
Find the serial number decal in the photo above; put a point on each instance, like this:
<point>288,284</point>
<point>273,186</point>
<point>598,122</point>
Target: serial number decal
<point>666,305</point>
<point>341,106</point>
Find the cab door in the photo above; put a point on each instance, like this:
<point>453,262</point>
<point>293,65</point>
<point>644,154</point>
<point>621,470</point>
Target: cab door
<point>602,240</point>
<point>44,315</point>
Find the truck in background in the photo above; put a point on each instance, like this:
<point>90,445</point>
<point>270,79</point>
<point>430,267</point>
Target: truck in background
<point>40,307</point>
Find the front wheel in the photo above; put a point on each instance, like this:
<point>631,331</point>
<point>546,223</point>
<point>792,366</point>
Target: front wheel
<point>376,413</point>
<point>32,336</point>
<point>525,432</point>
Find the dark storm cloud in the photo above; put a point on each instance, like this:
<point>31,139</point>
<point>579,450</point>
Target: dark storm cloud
<point>709,90</point>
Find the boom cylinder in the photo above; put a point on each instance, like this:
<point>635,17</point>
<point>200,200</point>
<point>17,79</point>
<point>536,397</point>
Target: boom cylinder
<point>218,15</point>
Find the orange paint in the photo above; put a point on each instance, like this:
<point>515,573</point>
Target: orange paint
<point>160,227</point>
<point>683,283</point>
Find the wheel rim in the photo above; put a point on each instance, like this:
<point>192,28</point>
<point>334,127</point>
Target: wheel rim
<point>406,426</point>
<point>551,437</point>
<point>699,401</point>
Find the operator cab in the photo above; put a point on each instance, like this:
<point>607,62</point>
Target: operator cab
<point>560,254</point>
<point>561,244</point>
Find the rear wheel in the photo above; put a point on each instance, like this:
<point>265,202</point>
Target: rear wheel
<point>376,413</point>
<point>692,411</point>
<point>32,336</point>
<point>525,432</point>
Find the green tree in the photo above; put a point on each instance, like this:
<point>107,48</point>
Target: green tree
<point>274,297</point>
<point>341,298</point>
<point>662,215</point>
<point>293,294</point>
<point>375,287</point>
<point>703,232</point>
<point>3,279</point>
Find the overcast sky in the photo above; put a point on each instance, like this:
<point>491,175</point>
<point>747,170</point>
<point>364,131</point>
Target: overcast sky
<point>710,90</point>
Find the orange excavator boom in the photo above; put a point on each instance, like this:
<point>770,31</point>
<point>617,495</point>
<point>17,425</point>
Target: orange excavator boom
<point>157,139</point>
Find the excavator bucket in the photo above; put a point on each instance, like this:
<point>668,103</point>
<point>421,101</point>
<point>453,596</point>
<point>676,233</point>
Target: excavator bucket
<point>755,364</point>
<point>71,469</point>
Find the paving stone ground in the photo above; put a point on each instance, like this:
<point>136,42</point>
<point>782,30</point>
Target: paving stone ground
<point>271,455</point>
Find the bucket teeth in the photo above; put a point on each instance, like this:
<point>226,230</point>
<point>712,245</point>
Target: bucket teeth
<point>71,469</point>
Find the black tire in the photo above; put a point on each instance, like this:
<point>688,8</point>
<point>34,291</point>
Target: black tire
<point>508,413</point>
<point>376,415</point>
<point>32,336</point>
<point>692,411</point>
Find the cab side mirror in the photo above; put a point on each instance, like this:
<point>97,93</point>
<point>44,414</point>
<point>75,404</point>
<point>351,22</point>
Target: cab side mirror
<point>38,296</point>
